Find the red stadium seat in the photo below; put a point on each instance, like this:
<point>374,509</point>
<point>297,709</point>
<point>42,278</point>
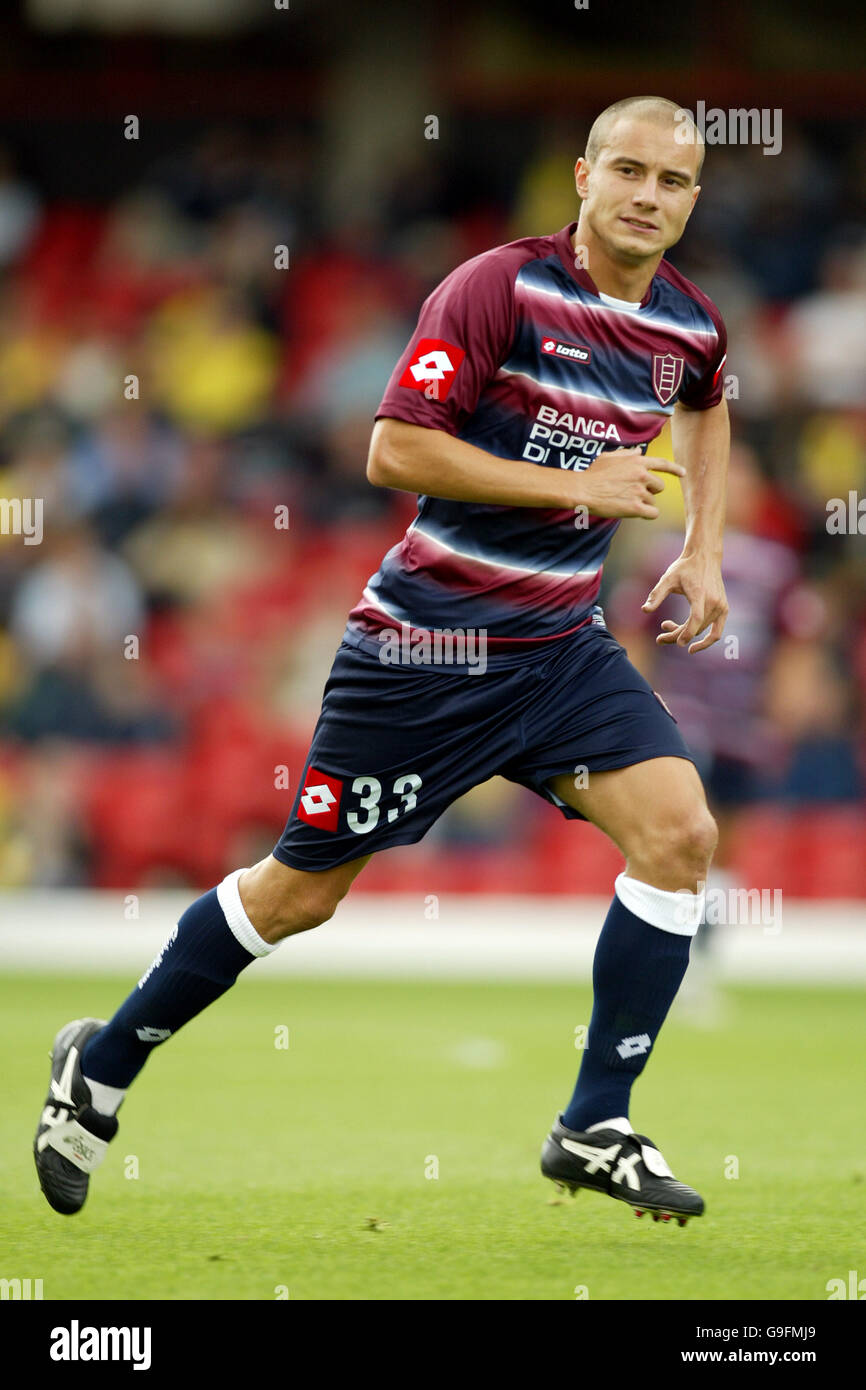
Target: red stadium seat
<point>135,810</point>
<point>828,848</point>
<point>810,854</point>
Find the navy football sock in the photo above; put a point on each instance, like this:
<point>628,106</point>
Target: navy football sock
<point>637,970</point>
<point>203,956</point>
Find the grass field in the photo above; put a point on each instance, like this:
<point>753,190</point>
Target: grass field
<point>260,1168</point>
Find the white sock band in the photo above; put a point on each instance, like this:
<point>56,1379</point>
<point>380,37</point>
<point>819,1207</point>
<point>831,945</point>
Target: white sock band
<point>620,1122</point>
<point>680,912</point>
<point>228,895</point>
<point>105,1099</point>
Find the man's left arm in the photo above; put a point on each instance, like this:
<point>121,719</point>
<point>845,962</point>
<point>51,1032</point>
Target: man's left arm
<point>701,443</point>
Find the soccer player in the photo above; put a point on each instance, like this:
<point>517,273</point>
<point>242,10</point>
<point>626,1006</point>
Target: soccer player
<point>520,412</point>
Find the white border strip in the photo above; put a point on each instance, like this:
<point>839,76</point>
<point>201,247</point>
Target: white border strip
<point>473,938</point>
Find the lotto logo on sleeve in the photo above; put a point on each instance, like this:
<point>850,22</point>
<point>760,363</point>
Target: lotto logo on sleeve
<point>320,800</point>
<point>433,368</point>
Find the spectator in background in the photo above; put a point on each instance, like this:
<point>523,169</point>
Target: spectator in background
<point>43,842</point>
<point>826,332</point>
<point>77,601</point>
<point>73,617</point>
<point>784,235</point>
<point>336,397</point>
<point>198,544</point>
<point>124,468</point>
<point>812,703</point>
<point>212,367</point>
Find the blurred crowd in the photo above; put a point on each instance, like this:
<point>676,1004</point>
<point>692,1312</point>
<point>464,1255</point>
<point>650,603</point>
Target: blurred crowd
<point>193,404</point>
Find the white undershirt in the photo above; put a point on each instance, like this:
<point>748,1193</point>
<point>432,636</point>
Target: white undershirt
<point>618,303</point>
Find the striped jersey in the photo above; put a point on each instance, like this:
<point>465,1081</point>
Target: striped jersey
<point>518,353</point>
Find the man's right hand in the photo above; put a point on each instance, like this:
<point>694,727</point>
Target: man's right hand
<point>622,482</point>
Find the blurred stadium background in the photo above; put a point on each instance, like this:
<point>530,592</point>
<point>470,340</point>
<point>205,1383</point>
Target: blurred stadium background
<point>134,773</point>
<point>129,768</point>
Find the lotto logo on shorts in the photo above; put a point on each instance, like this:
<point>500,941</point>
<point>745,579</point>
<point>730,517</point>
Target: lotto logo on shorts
<point>433,368</point>
<point>320,800</point>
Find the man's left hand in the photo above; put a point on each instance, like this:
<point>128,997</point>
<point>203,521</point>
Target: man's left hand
<point>700,581</point>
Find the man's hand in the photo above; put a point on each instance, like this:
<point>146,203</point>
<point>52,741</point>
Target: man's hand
<point>621,482</point>
<point>699,579</point>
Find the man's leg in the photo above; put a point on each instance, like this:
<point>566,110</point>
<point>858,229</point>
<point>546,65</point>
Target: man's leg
<point>220,934</point>
<point>656,813</point>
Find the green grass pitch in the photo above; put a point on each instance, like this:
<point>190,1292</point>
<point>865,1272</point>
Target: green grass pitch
<point>261,1168</point>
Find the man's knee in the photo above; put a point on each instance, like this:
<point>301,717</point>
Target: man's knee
<point>679,845</point>
<point>306,908</point>
<point>281,902</point>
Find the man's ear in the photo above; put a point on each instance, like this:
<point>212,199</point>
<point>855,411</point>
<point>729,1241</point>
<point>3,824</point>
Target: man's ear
<point>581,177</point>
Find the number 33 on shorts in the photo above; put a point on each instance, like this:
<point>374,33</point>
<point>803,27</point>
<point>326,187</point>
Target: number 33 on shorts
<point>322,797</point>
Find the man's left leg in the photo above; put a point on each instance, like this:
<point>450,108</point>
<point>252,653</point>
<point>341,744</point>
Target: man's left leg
<point>656,812</point>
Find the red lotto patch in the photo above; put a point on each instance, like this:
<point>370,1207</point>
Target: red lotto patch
<point>320,800</point>
<point>433,368</point>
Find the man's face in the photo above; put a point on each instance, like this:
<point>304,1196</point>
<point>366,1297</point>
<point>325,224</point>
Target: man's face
<point>640,189</point>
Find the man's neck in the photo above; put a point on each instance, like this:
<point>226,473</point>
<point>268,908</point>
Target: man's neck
<point>609,276</point>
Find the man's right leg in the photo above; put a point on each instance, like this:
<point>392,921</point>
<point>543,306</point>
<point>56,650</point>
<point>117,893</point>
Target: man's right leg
<point>394,746</point>
<point>215,939</point>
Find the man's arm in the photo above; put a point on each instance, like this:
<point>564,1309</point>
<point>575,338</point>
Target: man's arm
<point>701,440</point>
<point>412,458</point>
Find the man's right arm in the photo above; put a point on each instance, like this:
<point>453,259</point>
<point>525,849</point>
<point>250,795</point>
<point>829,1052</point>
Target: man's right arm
<point>412,458</point>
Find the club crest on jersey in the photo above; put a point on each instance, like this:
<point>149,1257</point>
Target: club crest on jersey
<point>320,800</point>
<point>667,376</point>
<point>433,368</point>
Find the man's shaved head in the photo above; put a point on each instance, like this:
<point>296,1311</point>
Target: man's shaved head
<point>657,109</point>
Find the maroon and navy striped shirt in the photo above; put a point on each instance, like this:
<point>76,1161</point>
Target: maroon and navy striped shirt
<point>517,352</point>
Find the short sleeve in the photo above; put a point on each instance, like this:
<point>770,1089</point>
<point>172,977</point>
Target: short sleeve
<point>709,388</point>
<point>464,334</point>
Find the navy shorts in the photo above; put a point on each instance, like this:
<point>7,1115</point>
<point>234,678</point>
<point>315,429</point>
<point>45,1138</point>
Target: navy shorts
<point>395,745</point>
